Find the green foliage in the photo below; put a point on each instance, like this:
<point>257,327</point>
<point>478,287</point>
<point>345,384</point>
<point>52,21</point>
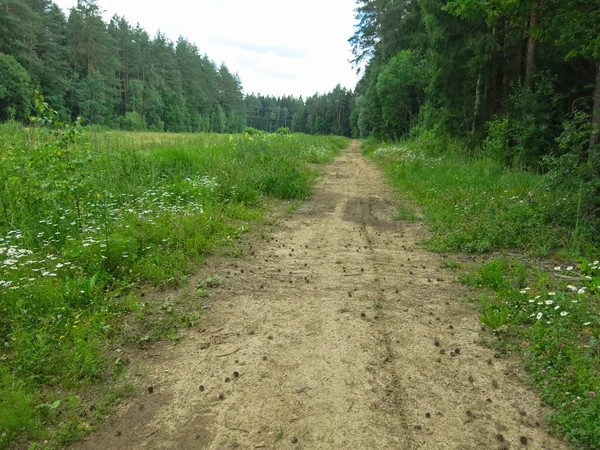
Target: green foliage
<point>15,89</point>
<point>569,169</point>
<point>554,324</point>
<point>19,414</point>
<point>401,88</point>
<point>85,217</point>
<point>494,317</point>
<point>284,130</point>
<point>132,121</point>
<point>252,131</point>
<point>533,122</point>
<point>497,143</point>
<point>475,205</point>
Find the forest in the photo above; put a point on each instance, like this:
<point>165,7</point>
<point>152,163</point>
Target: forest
<point>118,76</point>
<point>518,80</point>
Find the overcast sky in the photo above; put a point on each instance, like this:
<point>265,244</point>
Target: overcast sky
<point>276,46</point>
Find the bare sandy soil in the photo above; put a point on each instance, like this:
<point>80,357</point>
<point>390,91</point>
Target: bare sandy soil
<point>338,333</point>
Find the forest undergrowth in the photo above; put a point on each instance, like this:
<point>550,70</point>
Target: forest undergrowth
<point>88,221</point>
<point>536,281</point>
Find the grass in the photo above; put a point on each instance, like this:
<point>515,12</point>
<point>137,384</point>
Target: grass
<point>554,325</point>
<point>475,205</point>
<point>546,311</point>
<point>88,222</point>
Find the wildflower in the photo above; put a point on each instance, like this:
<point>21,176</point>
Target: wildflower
<point>551,293</point>
<point>572,288</point>
<point>557,307</point>
<point>586,324</point>
<point>523,291</point>
<point>592,394</point>
<point>557,268</point>
<point>581,291</point>
<point>549,302</point>
<point>539,316</point>
<point>569,268</point>
<point>564,313</point>
<point>531,300</point>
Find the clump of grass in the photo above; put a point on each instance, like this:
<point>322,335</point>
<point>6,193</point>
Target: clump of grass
<point>87,217</point>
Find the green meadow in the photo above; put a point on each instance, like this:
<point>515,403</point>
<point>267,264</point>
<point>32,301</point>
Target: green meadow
<point>89,219</point>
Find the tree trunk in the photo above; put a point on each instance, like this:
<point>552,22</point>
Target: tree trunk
<point>380,25</point>
<point>531,49</point>
<point>594,154</point>
<point>477,108</point>
<point>505,71</point>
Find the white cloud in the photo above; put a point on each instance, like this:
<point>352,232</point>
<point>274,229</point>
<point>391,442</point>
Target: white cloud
<point>277,47</point>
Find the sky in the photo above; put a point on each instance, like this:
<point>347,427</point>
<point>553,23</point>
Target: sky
<point>278,47</point>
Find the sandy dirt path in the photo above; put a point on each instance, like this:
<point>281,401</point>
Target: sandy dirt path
<point>337,333</point>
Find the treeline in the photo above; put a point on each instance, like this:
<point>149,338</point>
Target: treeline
<point>320,114</point>
<point>520,76</point>
<point>112,73</point>
<point>116,75</point>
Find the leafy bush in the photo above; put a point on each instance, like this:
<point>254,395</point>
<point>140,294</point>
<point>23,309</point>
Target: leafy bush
<point>284,130</point>
<point>528,132</point>
<point>252,131</point>
<point>400,89</point>
<point>133,122</point>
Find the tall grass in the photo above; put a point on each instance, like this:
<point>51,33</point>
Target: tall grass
<point>83,223</point>
<point>475,205</point>
<point>549,318</point>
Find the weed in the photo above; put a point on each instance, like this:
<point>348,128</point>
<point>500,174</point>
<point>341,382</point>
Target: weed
<point>554,324</point>
<point>378,303</point>
<point>494,316</point>
<point>475,205</point>
<point>451,264</point>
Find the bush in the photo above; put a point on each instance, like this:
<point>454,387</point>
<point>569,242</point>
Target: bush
<point>252,131</point>
<point>133,122</point>
<point>284,130</point>
<point>15,89</point>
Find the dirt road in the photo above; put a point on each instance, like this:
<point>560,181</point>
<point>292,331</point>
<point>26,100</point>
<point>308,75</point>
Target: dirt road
<point>339,333</point>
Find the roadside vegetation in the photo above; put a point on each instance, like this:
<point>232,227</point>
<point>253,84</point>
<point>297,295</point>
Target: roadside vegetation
<point>494,111</point>
<point>89,221</point>
<point>540,299</point>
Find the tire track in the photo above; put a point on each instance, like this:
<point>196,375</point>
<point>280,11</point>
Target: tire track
<point>337,333</point>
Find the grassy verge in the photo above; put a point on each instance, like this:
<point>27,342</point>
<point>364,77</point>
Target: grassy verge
<point>538,305</point>
<point>87,220</point>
